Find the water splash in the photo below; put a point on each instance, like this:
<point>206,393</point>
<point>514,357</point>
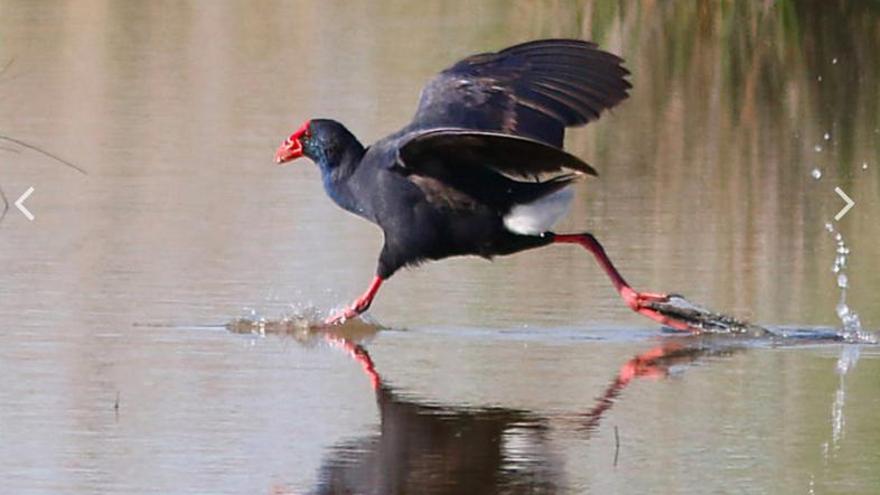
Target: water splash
<point>250,321</point>
<point>852,333</point>
<point>816,173</point>
<point>852,330</point>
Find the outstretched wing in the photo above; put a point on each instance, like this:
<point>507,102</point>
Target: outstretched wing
<point>534,89</point>
<point>465,148</point>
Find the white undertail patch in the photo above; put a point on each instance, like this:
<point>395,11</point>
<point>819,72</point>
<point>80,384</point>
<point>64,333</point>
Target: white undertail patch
<point>539,216</point>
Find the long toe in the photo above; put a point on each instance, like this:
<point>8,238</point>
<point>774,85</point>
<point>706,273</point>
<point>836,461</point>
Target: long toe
<point>667,321</point>
<point>340,317</point>
<point>652,297</point>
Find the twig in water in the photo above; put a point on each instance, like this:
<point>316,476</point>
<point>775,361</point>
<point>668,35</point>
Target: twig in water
<point>6,66</point>
<point>616,445</point>
<point>5,205</point>
<point>43,152</point>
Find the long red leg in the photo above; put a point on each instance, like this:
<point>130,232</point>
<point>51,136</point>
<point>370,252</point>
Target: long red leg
<point>359,305</point>
<point>635,300</point>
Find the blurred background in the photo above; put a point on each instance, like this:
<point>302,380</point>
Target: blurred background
<point>717,180</point>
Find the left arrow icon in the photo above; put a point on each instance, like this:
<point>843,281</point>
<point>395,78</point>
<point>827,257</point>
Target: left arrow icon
<point>19,203</point>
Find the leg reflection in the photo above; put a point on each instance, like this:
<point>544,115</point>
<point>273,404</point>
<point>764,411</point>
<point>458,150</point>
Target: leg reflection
<point>430,447</point>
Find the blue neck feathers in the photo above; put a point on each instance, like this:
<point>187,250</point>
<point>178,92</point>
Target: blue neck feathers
<point>336,179</point>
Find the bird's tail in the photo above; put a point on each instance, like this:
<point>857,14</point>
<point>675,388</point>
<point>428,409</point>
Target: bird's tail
<point>548,203</point>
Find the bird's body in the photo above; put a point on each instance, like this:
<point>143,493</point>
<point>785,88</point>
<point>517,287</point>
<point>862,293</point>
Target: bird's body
<point>434,213</point>
<point>480,170</point>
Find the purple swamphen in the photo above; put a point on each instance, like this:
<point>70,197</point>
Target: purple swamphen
<point>480,170</point>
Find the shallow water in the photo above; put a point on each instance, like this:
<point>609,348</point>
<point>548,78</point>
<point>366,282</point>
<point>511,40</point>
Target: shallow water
<point>119,373</point>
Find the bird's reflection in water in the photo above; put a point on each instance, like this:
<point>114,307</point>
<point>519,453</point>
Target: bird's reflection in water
<point>424,447</point>
<point>431,448</point>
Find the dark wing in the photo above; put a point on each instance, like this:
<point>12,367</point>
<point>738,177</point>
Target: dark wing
<point>534,89</point>
<point>513,155</point>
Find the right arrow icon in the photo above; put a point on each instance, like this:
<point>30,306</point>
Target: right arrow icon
<point>849,204</point>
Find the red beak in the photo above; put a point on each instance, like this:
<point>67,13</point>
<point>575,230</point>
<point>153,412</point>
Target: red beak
<point>289,150</point>
<point>292,148</point>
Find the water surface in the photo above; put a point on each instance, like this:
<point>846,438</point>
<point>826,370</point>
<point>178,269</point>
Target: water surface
<point>119,374</point>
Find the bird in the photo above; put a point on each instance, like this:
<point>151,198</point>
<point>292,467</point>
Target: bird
<point>481,169</point>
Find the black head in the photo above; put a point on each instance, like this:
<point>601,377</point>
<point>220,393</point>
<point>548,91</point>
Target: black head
<point>326,142</point>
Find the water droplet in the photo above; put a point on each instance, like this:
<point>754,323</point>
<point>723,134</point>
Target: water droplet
<point>827,136</point>
<point>819,78</point>
<point>842,310</point>
<point>817,148</point>
<point>829,227</point>
<point>834,61</point>
<point>816,173</point>
<point>864,165</point>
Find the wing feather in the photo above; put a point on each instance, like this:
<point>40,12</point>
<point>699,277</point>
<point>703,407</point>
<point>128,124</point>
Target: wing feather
<point>535,90</point>
<point>512,155</point>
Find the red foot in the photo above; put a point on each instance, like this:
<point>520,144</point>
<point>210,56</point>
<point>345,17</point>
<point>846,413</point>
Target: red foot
<point>360,305</point>
<point>340,317</point>
<point>638,302</point>
<point>348,313</point>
